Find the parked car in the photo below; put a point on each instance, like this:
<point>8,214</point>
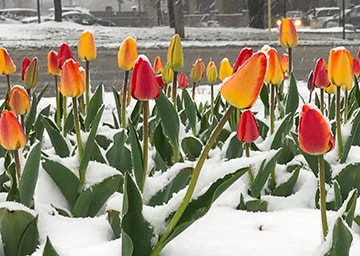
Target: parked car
<point>19,13</point>
<point>4,20</point>
<point>352,18</point>
<point>297,17</point>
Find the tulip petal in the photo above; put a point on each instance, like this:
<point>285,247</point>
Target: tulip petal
<point>127,54</point>
<point>288,36</point>
<point>72,79</point>
<point>247,129</point>
<point>19,101</point>
<point>340,67</point>
<point>12,134</point>
<point>86,46</point>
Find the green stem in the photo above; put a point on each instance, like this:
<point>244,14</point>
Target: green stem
<point>22,121</point>
<point>58,110</point>
<point>193,91</point>
<point>8,83</point>
<point>196,172</point>
<point>329,104</point>
<point>87,92</point>
<point>174,88</point>
<point>290,61</point>
<point>247,149</point>
<point>17,163</point>
<point>64,101</point>
<point>322,100</point>
<point>77,127</point>
<point>272,108</point>
<point>346,106</point>
<point>322,195</point>
<point>123,100</point>
<point>145,138</point>
<point>338,122</point>
<point>212,98</point>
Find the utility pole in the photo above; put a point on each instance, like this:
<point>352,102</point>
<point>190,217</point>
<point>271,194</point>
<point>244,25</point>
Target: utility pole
<point>38,11</point>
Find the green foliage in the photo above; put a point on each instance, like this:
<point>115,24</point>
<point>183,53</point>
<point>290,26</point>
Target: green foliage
<point>118,155</point>
<point>292,98</point>
<point>136,156</point>
<point>49,249</point>
<point>287,188</point>
<point>341,239</point>
<point>114,220</point>
<point>352,139</point>
<point>57,139</point>
<point>95,104</point>
<point>349,179</point>
<point>190,110</point>
<point>192,147</point>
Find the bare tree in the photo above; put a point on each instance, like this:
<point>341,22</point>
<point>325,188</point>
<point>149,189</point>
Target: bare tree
<point>57,10</point>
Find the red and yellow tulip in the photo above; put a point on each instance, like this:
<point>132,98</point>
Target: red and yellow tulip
<point>356,68</point>
<point>72,79</point>
<point>31,74</point>
<point>127,54</point>
<point>158,66</point>
<point>244,54</point>
<point>24,65</point>
<point>320,78</point>
<point>288,36</point>
<point>7,65</point>
<point>197,71</point>
<point>340,67</point>
<point>64,54</point>
<point>274,73</point>
<point>87,46</point>
<point>284,62</point>
<point>19,101</point>
<point>53,63</point>
<point>12,134</point>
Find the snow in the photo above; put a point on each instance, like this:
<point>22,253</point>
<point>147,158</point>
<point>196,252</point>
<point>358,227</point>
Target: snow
<point>292,225</point>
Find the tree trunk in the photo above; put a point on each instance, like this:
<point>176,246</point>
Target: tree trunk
<point>57,10</point>
<point>256,13</point>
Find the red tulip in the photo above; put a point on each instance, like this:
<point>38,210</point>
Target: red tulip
<point>24,65</point>
<point>182,81</point>
<point>320,78</point>
<point>64,54</point>
<point>12,134</point>
<point>244,54</point>
<point>315,137</point>
<point>247,130</point>
<point>356,68</point>
<point>143,82</point>
<point>160,81</point>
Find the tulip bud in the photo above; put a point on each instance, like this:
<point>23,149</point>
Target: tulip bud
<point>12,134</point>
<point>158,67</point>
<point>244,54</point>
<point>274,73</point>
<point>143,82</point>
<point>315,137</point>
<point>86,46</point>
<point>65,53</point>
<point>356,68</point>
<point>31,74</point>
<point>167,74</point>
<point>24,65</point>
<point>197,71</point>
<point>53,63</point>
<point>288,35</point>
<point>175,56</point>
<point>225,69</point>
<point>284,62</point>
<point>182,81</point>
<point>310,81</point>
<point>330,89</point>
<point>211,72</point>
<point>247,130</point>
<point>320,79</point>
<point>7,65</point>
<point>19,101</point>
<point>72,79</point>
<point>242,89</point>
<point>127,54</point>
<point>340,67</point>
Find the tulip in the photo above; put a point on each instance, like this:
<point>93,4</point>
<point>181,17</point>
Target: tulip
<point>247,130</point>
<point>315,138</point>
<point>158,66</point>
<point>53,69</point>
<point>288,38</point>
<point>340,74</point>
<point>243,88</point>
<point>24,65</point>
<point>31,74</point>
<point>19,101</point>
<point>7,65</point>
<point>182,81</point>
<point>274,74</point>
<point>310,83</point>
<point>86,46</point>
<point>225,69</point>
<point>211,75</point>
<point>64,54</point>
<point>284,62</point>
<point>356,68</point>
<point>196,74</point>
<point>160,81</point>
<point>244,54</point>
<point>175,59</point>
<point>167,74</point>
<point>321,80</point>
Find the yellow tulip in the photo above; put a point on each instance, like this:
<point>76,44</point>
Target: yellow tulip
<point>167,74</point>
<point>225,70</point>
<point>197,71</point>
<point>340,67</point>
<point>7,65</point>
<point>211,72</point>
<point>127,54</point>
<point>12,134</point>
<point>19,101</point>
<point>175,56</point>
<point>86,46</point>
<point>288,35</point>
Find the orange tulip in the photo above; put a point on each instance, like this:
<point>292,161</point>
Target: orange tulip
<point>197,71</point>
<point>225,69</point>
<point>315,137</point>
<point>19,101</point>
<point>284,62</point>
<point>72,79</point>
<point>143,82</point>
<point>211,72</point>
<point>127,54</point>
<point>7,65</point>
<point>65,53</point>
<point>87,46</point>
<point>320,79</point>
<point>244,54</point>
<point>31,74</point>
<point>53,63</point>
<point>24,65</point>
<point>182,81</point>
<point>175,56</point>
<point>274,73</point>
<point>340,67</point>
<point>356,68</point>
<point>247,130</point>
<point>158,67</point>
<point>288,35</point>
<point>243,88</point>
<point>12,134</point>
<point>167,74</point>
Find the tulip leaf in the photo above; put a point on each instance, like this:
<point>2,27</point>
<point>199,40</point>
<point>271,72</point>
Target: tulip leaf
<point>118,155</point>
<point>235,148</point>
<point>93,198</point>
<point>190,110</point>
<point>263,128</point>
<point>198,207</point>
<point>264,96</point>
<point>136,232</point>
<point>95,104</point>
<point>282,131</point>
<point>313,164</point>
<point>292,99</point>
<point>114,220</point>
<point>64,178</point>
<point>160,164</point>
<point>136,113</point>
<point>181,179</point>
<point>89,146</point>
<point>287,188</point>
<point>136,156</point>
<point>117,103</point>
<point>349,213</point>
<point>19,232</point>
<point>57,140</point>
<point>256,205</point>
<point>169,119</point>
<point>341,239</point>
<point>13,193</point>
<point>338,201</point>
<point>349,178</point>
<point>30,175</point>
<point>39,126</point>
<point>103,141</point>
<point>97,154</point>
<point>192,147</point>
<point>354,134</point>
<point>162,145</point>
<point>31,115</point>
<point>49,249</point>
<point>69,123</point>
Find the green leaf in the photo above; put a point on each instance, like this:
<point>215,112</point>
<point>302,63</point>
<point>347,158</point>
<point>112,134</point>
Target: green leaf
<point>64,179</point>
<point>117,104</point>
<point>287,188</point>
<point>16,225</point>
<point>30,175</point>
<point>264,172</point>
<point>136,113</point>
<point>49,249</point>
<point>341,239</point>
<point>135,230</point>
<point>69,122</point>
<point>97,154</point>
<point>103,141</point>
<point>89,146</point>
<point>197,208</point>
<point>192,147</point>
<point>354,134</point>
<point>169,119</point>
<point>235,148</point>
<point>95,104</point>
<point>39,126</point>
<point>93,198</point>
<point>349,178</point>
<point>57,140</point>
<point>263,129</point>
<point>114,220</point>
<point>175,185</point>
<point>338,197</point>
<point>136,156</point>
<point>313,164</point>
<point>13,194</point>
<point>282,131</point>
<point>264,96</point>
<point>292,99</point>
<point>349,213</point>
<point>162,145</point>
<point>31,115</point>
<point>256,205</point>
<point>190,110</point>
<point>118,155</point>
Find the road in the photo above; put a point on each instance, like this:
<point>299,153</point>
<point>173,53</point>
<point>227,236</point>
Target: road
<point>104,68</point>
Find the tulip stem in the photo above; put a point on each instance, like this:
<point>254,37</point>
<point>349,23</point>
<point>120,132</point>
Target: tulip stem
<point>322,100</point>
<point>174,87</point>
<point>338,122</point>
<point>64,102</point>
<point>58,110</point>
<point>193,91</point>
<point>145,139</point>
<point>123,100</point>
<point>22,121</point>
<point>8,83</point>
<point>272,108</point>
<point>190,190</point>
<point>290,61</point>
<point>87,92</point>
<point>346,105</point>
<point>247,149</point>
<point>322,195</point>
<point>212,98</point>
<point>329,104</point>
<point>17,163</point>
<point>77,127</point>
